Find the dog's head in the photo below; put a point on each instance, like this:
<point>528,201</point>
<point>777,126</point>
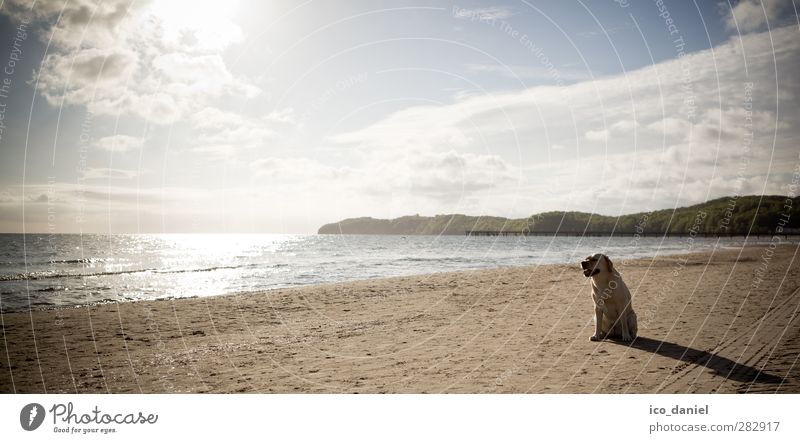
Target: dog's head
<point>595,264</point>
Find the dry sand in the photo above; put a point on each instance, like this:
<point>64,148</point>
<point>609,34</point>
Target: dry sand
<point>708,323</point>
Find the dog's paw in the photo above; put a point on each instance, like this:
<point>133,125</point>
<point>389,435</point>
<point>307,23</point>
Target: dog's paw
<point>626,338</point>
<point>596,338</point>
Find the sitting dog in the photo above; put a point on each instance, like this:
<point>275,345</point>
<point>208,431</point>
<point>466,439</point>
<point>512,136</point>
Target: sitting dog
<point>613,311</point>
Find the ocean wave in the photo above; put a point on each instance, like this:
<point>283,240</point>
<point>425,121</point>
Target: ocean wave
<point>48,289</point>
<point>76,261</point>
<point>45,262</point>
<point>52,275</point>
<point>437,259</point>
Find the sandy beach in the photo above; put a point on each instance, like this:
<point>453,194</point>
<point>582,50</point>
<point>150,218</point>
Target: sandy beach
<point>708,322</point>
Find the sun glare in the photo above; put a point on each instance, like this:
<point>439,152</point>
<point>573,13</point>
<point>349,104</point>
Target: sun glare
<point>206,24</point>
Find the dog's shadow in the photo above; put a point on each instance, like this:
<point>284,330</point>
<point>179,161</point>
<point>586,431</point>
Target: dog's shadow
<point>721,366</point>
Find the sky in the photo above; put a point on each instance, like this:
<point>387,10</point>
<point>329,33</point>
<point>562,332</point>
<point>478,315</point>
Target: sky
<point>281,116</point>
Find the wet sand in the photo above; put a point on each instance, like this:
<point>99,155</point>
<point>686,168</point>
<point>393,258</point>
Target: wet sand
<point>708,322</point>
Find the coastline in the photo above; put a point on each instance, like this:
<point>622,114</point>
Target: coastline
<point>710,328</point>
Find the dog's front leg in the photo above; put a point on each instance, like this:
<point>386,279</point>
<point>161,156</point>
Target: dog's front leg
<point>626,333</point>
<point>598,319</point>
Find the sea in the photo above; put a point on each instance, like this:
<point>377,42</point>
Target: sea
<point>40,271</point>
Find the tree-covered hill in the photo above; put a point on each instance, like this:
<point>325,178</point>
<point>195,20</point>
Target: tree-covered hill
<point>727,215</point>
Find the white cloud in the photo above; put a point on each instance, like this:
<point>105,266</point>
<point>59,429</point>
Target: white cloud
<point>671,127</point>
<point>119,143</point>
<point>188,76</point>
<point>753,15</point>
<point>299,170</point>
<point>109,173</point>
<point>597,136</point>
<point>285,115</point>
<point>443,177</point>
<point>676,155</point>
<point>158,61</point>
<point>625,126</point>
<point>6,197</point>
<point>83,23</point>
<point>87,76</point>
<point>451,174</point>
<point>220,133</point>
<point>214,118</point>
<point>420,176</point>
<point>414,127</point>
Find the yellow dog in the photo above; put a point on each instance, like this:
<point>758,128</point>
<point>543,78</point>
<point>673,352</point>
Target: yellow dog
<point>613,311</point>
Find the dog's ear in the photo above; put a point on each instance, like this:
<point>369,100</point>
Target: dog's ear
<point>609,265</point>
